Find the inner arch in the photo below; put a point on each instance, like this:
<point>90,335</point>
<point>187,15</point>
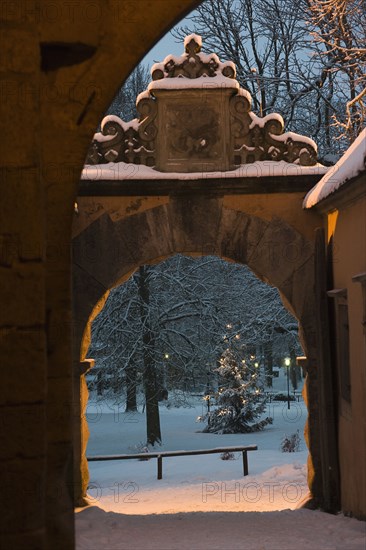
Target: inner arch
<point>111,247</point>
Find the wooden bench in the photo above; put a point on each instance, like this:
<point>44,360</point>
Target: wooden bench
<point>160,455</point>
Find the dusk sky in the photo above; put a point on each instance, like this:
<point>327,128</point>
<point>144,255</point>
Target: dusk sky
<point>164,47</point>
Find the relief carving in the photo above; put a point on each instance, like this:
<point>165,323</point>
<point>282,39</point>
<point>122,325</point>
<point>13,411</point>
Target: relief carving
<point>193,132</point>
<point>220,127</point>
<point>147,130</point>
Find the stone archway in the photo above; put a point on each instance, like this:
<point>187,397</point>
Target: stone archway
<point>111,247</point>
<point>65,63</point>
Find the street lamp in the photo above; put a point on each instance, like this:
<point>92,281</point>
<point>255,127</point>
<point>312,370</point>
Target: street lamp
<point>165,369</point>
<point>287,364</point>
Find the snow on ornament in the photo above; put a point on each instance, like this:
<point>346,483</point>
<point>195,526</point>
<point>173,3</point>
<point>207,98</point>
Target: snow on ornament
<point>196,38</point>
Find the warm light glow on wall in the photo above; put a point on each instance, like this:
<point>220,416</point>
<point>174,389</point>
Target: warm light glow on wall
<point>332,222</point>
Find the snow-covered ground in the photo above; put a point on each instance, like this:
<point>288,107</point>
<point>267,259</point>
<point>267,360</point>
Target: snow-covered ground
<point>200,501</point>
<point>286,530</point>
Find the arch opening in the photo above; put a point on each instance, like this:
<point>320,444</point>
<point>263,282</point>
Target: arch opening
<point>273,250</point>
<point>219,315</point>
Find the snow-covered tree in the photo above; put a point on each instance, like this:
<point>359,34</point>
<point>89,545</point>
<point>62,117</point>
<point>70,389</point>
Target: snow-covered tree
<point>279,62</point>
<point>124,102</point>
<point>165,331</point>
<point>240,399</point>
<point>197,308</point>
<point>339,29</point>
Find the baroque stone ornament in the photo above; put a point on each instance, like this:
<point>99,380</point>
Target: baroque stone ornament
<point>195,117</point>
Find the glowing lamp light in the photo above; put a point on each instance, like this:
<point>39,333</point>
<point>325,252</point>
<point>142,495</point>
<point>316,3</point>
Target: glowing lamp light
<point>287,364</point>
<point>166,356</point>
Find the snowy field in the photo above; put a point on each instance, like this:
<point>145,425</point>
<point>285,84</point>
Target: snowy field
<point>196,483</point>
<point>199,502</point>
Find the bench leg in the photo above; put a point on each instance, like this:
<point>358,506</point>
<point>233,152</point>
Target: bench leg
<point>160,467</point>
<point>245,463</point>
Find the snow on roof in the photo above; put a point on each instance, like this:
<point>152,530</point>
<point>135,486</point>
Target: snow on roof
<point>119,171</point>
<point>350,165</point>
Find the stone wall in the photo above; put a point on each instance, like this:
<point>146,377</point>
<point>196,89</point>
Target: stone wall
<point>61,64</point>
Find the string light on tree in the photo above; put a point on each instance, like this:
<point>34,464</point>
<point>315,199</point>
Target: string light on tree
<point>240,398</point>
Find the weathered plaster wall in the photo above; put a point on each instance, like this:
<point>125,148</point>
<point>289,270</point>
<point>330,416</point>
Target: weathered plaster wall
<point>60,65</point>
<point>349,259</point>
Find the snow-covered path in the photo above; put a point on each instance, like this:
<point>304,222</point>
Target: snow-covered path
<point>286,530</point>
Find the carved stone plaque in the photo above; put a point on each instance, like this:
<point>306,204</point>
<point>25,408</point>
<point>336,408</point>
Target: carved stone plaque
<point>193,133</point>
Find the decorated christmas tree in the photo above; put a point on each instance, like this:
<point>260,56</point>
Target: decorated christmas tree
<point>240,399</point>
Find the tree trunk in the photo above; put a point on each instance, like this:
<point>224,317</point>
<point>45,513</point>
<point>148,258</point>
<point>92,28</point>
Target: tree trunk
<point>99,383</point>
<point>150,382</point>
<point>268,363</point>
<point>293,369</point>
<point>152,406</point>
<point>131,383</point>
